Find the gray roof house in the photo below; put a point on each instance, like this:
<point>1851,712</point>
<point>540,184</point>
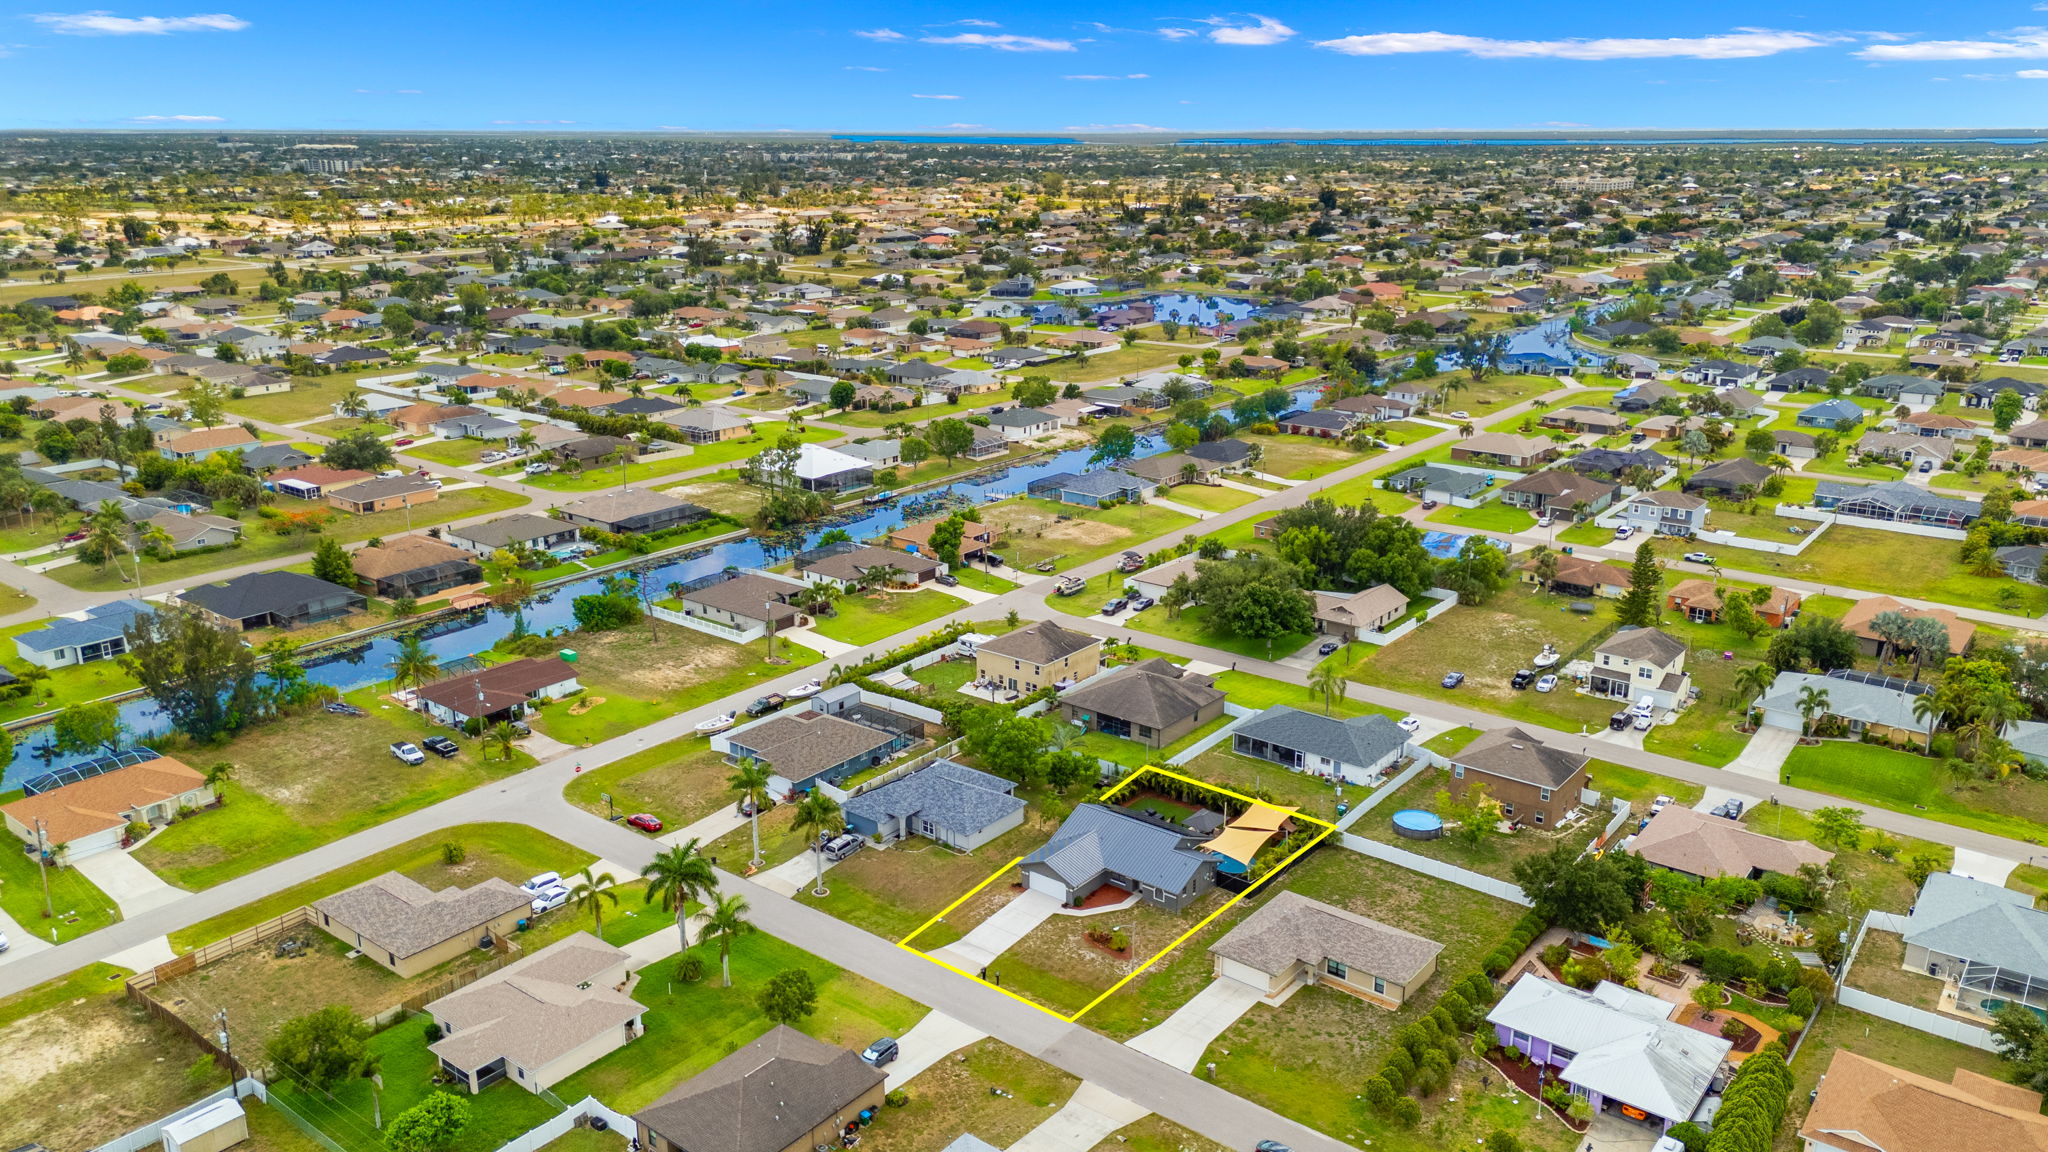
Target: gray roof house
<point>1437,482</point>
<point>1090,489</point>
<point>1987,941</point>
<point>784,1091</point>
<point>1295,940</point>
<point>1894,500</point>
<point>97,633</point>
<point>273,599</point>
<point>951,803</point>
<point>631,510</point>
<point>1153,702</point>
<point>1615,1047</point>
<point>1099,845</point>
<point>1884,708</point>
<point>1357,749</point>
<point>539,1019</point>
<point>407,927</point>
<point>519,530</point>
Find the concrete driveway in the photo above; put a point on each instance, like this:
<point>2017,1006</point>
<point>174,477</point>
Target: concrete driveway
<point>1714,795</point>
<point>132,888</point>
<point>1764,756</point>
<point>798,872</point>
<point>932,1039</point>
<point>1614,1134</point>
<point>994,936</point>
<point>1983,866</point>
<point>1185,1035</point>
<point>1086,1121</point>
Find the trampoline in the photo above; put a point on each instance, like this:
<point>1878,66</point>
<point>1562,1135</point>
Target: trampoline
<point>1416,824</point>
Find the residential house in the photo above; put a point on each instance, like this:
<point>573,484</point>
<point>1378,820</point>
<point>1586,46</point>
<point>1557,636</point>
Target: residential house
<point>1037,655</point>
<point>1444,484</point>
<point>383,493</point>
<point>2021,561</point>
<point>1153,702</point>
<point>638,510</point>
<point>201,443</point>
<point>1880,706</point>
<point>404,926</point>
<point>975,539</point>
<point>708,424</point>
<point>272,600</point>
<point>1706,847</point>
<point>1896,501</point>
<point>1022,423</point>
<point>821,469</point>
<point>1932,424</point>
<point>1614,463</point>
<point>1293,940</point>
<point>782,1093</point>
<point>517,532</point>
<point>1504,450</point>
<point>850,566</point>
<point>419,419</point>
<point>89,816</point>
<point>1131,851</point>
<point>1557,492</point>
<point>1615,1048</point>
<point>1720,374</point>
<point>1643,396</point>
<point>1666,513</point>
<point>836,736</point>
<point>1831,415</point>
<point>744,601</point>
<point>1915,392</point>
<point>188,533</point>
<point>1584,418</point>
<point>1093,489</point>
<point>540,1019</point>
<point>411,567</point>
<point>1701,602</point>
<point>1375,409</point>
<point>1326,423</point>
<point>1861,1105</point>
<point>1358,750</point>
<point>1347,617</point>
<point>1730,479</point>
<point>99,632</point>
<point>1905,449</point>
<point>945,802</point>
<point>501,692</point>
<point>1861,616</point>
<point>1988,943</point>
<point>311,481</point>
<point>1532,782</point>
<point>1641,664</point>
<point>1580,576</point>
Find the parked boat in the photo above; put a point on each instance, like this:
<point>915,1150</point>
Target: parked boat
<point>807,688</point>
<point>716,723</point>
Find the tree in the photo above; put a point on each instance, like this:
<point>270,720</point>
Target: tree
<point>1115,444</point>
<point>502,737</point>
<point>1819,641</point>
<point>1477,572</point>
<point>432,1123</point>
<point>1328,681</point>
<point>1582,895</point>
<point>331,563</point>
<point>1738,611</point>
<point>1710,997</point>
<point>94,727</point>
<point>413,665</point>
<point>946,537</point>
<point>950,437</point>
<point>820,814</point>
<point>360,450</point>
<point>591,890</point>
<point>2021,1038</point>
<point>915,451</point>
<point>1813,701</point>
<point>677,877</point>
<point>1475,814</point>
<point>2006,409</point>
<point>201,675</point>
<point>1015,747</point>
<point>320,1049</point>
<point>749,781</point>
<point>842,394</point>
<point>725,921</point>
<point>789,997</point>
<point>1839,827</point>
<point>1639,606</point>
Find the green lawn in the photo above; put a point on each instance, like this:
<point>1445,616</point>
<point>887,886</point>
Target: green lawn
<point>311,397</point>
<point>79,905</point>
<point>510,852</point>
<point>1915,785</point>
<point>1845,1029</point>
<point>1492,516</point>
<point>975,578</point>
<point>1879,561</point>
<point>634,676</point>
<point>1133,754</point>
<point>1361,490</point>
<point>460,453</point>
<point>1209,497</point>
<point>1194,627</point>
<point>1262,692</point>
<point>861,620</point>
<point>1451,741</point>
<point>75,684</point>
<point>1033,530</point>
<point>1302,457</point>
<point>260,545</point>
<point>342,425</point>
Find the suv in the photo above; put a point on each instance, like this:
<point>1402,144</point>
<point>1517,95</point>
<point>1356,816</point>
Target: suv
<point>880,1052</point>
<point>441,746</point>
<point>1619,721</point>
<point>1521,679</point>
<point>841,846</point>
<point>946,580</point>
<point>409,752</point>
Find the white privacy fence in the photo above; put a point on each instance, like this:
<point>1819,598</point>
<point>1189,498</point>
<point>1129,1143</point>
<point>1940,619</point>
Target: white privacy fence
<point>558,1125</point>
<point>152,1132</point>
<point>1462,877</point>
<point>1918,1019</point>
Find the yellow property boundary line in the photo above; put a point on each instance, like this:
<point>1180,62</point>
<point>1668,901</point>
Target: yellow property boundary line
<point>1121,786</point>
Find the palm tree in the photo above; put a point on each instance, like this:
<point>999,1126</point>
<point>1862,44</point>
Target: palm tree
<point>725,922</point>
<point>502,737</point>
<point>1754,680</point>
<point>1812,699</point>
<point>354,404</point>
<point>677,876</point>
<point>820,813</point>
<point>412,663</point>
<point>592,891</point>
<point>750,781</point>
<point>1327,680</point>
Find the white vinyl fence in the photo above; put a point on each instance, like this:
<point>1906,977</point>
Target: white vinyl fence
<point>1445,601</point>
<point>558,1125</point>
<point>1463,878</point>
<point>152,1132</point>
<point>1918,1019</point>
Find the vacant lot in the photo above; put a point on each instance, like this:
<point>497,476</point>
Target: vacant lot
<point>720,494</point>
<point>892,891</point>
<point>1034,530</point>
<point>960,1095</point>
<point>1903,782</point>
<point>680,782</point>
<point>261,990</point>
<point>1301,457</point>
<point>1210,497</point>
<point>861,619</point>
<point>1887,562</point>
<point>652,670</point>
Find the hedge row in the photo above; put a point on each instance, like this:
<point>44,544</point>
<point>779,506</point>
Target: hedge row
<point>1526,930</point>
<point>1754,1104</point>
<point>1426,1050</point>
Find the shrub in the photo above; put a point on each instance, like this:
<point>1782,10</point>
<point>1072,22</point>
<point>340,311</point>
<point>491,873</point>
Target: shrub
<point>1502,1140</point>
<point>1732,1029</point>
<point>1407,1112</point>
<point>1725,967</point>
<point>1436,1071</point>
<point>896,1098</point>
<point>1379,1094</point>
<point>1579,1110</point>
<point>1689,1134</point>
<point>1399,1070</point>
<point>1478,990</point>
<point>1557,1095</point>
<point>1512,1053</point>
<point>1120,940</point>
<point>453,853</point>
<point>691,968</point>
<point>1498,961</point>
<point>1800,1000</point>
<point>1460,1009</point>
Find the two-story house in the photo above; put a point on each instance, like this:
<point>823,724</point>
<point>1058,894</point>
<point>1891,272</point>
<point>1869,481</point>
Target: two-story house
<point>1666,513</point>
<point>1635,663</point>
<point>1535,784</point>
<point>1036,656</point>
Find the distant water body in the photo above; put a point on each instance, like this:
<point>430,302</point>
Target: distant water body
<point>1465,142</point>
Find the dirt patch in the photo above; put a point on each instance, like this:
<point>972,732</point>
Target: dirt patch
<point>1018,520</point>
<point>675,659</point>
<point>76,1076</point>
<point>728,496</point>
<point>262,990</point>
<point>584,704</point>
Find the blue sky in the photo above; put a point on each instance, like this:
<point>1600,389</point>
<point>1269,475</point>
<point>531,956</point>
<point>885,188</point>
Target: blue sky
<point>749,66</point>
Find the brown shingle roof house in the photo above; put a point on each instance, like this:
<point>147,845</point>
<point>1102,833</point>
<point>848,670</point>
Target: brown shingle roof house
<point>1295,939</point>
<point>540,1019</point>
<point>92,815</point>
<point>415,566</point>
<point>1865,1106</point>
<point>1534,783</point>
<point>1153,702</point>
<point>1036,655</point>
<point>783,1093</point>
<point>500,691</point>
<point>403,925</point>
<point>1697,844</point>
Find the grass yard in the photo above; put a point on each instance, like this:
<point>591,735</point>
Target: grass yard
<point>1844,1029</point>
<point>863,619</point>
<point>1263,692</point>
<point>1266,780</point>
<point>1880,561</point>
<point>691,1026</point>
<point>1115,362</point>
<point>892,891</point>
<point>1132,754</point>
<point>1302,457</point>
<point>1881,970</point>
<point>1055,965</point>
<point>343,425</point>
<point>458,453</point>
<point>1492,516</point>
<point>1903,782</point>
<point>75,684</point>
<point>634,676</point>
<point>1361,490</point>
<point>288,797</point>
<point>1209,497</point>
<point>982,581</point>
<point>721,492</point>
<point>77,902</point>
<point>679,782</point>
<point>960,1095</point>
<point>260,545</point>
<point>1496,855</point>
<point>310,398</point>
<point>1193,626</point>
<point>1032,529</point>
<point>1451,741</point>
<point>1879,882</point>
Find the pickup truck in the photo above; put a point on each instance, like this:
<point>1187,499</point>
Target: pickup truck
<point>409,752</point>
<point>766,704</point>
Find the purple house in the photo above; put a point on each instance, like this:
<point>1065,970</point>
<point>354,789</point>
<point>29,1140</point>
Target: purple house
<point>1614,1047</point>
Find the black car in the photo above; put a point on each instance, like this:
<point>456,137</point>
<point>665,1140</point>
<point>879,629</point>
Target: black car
<point>1327,647</point>
<point>947,579</point>
<point>1729,809</point>
<point>440,746</point>
<point>1113,607</point>
<point>1522,679</point>
<point>1620,720</point>
<point>880,1052</point>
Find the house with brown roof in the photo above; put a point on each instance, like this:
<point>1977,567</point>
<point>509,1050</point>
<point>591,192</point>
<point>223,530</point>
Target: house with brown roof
<point>747,603</point>
<point>311,481</point>
<point>1504,450</point>
<point>1037,655</point>
<point>400,924</point>
<point>414,566</point>
<point>1702,602</point>
<point>1293,940</point>
<point>631,510</point>
<point>1704,846</point>
<point>383,493</point>
<point>1557,492</point>
<point>500,692</point>
<point>1862,1105</point>
<point>1534,783</point>
<point>853,567</point>
<point>783,1093</point>
<point>1579,576</point>
<point>200,443</point>
<point>1153,702</point>
<point>1641,663</point>
<point>975,539</point>
<point>540,1019</point>
<point>90,816</point>
<point>837,734</point>
<point>419,419</point>
<point>1349,617</point>
<point>1860,616</point>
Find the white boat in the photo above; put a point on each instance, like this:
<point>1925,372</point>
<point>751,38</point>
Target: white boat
<point>716,723</point>
<point>807,688</point>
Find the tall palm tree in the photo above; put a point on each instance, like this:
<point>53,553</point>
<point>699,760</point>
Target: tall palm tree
<point>749,781</point>
<point>677,876</point>
<point>354,404</point>
<point>1327,680</point>
<point>412,664</point>
<point>1754,680</point>
<point>502,737</point>
<point>1812,699</point>
<point>819,813</point>
<point>591,891</point>
<point>726,921</point>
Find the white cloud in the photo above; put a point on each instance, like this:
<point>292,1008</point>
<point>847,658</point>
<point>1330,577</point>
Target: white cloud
<point>177,119</point>
<point>1128,76</point>
<point>1114,128</point>
<point>864,68</point>
<point>2020,44</point>
<point>881,34</point>
<point>1262,31</point>
<point>1743,43</point>
<point>959,126</point>
<point>407,91</point>
<point>973,23</point>
<point>103,23</point>
<point>933,96</point>
<point>1179,33</point>
<point>2032,73</point>
<point>1002,42</point>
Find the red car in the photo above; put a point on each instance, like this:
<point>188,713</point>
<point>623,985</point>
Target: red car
<point>402,441</point>
<point>644,822</point>
<point>75,537</point>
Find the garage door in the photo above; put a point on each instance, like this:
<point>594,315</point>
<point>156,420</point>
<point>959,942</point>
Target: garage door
<point>1050,885</point>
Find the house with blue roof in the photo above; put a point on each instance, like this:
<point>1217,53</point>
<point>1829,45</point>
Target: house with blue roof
<point>1097,845</point>
<point>1091,489</point>
<point>1830,414</point>
<point>947,802</point>
<point>97,633</point>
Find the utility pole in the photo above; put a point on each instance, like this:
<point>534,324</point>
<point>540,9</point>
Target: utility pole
<point>43,868</point>
<point>227,1047</point>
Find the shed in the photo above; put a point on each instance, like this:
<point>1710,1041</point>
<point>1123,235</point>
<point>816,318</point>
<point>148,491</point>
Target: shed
<point>219,1125</point>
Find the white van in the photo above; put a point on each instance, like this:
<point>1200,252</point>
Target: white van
<point>543,882</point>
<point>1643,707</point>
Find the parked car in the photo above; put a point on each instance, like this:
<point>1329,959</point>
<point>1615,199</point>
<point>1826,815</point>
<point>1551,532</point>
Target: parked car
<point>1545,520</point>
<point>644,822</point>
<point>1729,809</point>
<point>538,467</point>
<point>440,746</point>
<point>1140,603</point>
<point>1521,679</point>
<point>1927,465</point>
<point>543,882</point>
<point>1409,724</point>
<point>1547,684</point>
<point>403,441</point>
<point>491,457</point>
<point>549,899</point>
<point>1459,414</point>
<point>75,537</point>
<point>1660,803</point>
<point>947,580</point>
<point>1619,721</point>
<point>1643,723</point>
<point>1698,558</point>
<point>409,752</point>
<point>1428,504</point>
<point>843,845</point>
<point>1453,679</point>
<point>994,560</point>
<point>3,942</point>
<point>1113,607</point>
<point>880,1052</point>
<point>1624,532</point>
<point>1327,647</point>
<point>1271,1146</point>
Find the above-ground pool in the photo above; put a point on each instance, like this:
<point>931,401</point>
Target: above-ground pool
<point>1416,824</point>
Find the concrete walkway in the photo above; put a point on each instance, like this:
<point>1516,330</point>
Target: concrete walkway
<point>1182,1038</point>
<point>995,935</point>
<point>1764,756</point>
<point>20,942</point>
<point>824,646</point>
<point>1183,509</point>
<point>929,1041</point>
<point>133,888</point>
<point>1093,1113</point>
<point>798,873</point>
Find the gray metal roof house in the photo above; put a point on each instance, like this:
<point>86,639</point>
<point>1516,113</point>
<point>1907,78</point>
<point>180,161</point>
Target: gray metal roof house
<point>951,803</point>
<point>1356,749</point>
<point>1099,845</point>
